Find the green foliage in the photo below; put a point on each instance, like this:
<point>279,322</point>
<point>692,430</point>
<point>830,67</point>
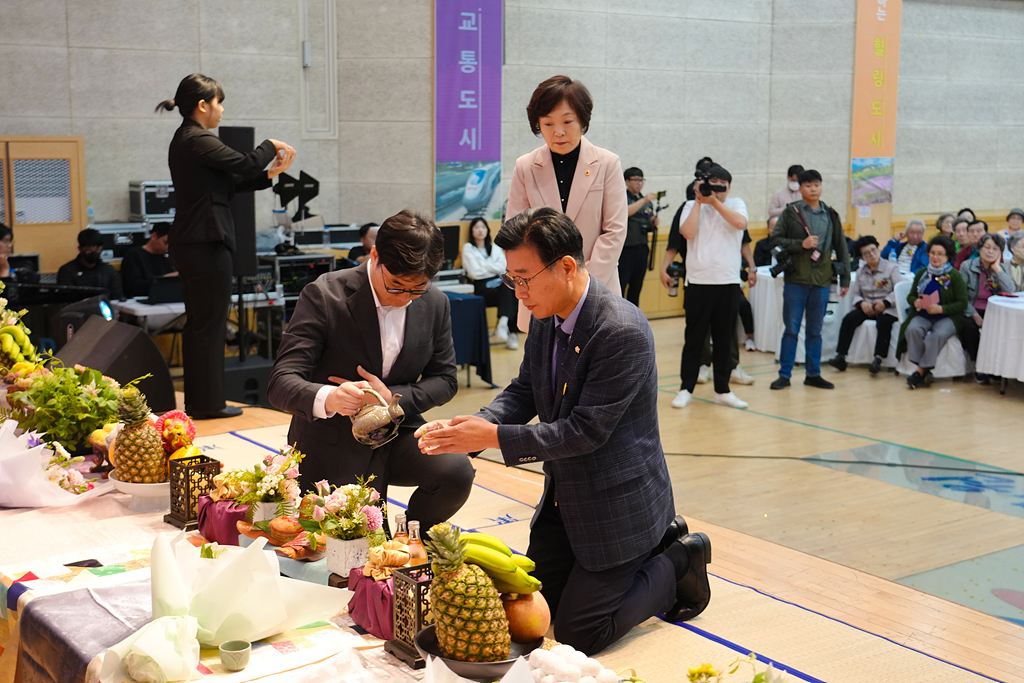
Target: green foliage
<point>65,405</point>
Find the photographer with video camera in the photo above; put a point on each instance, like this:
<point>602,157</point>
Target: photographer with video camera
<point>641,219</point>
<point>713,227</point>
<point>802,241</point>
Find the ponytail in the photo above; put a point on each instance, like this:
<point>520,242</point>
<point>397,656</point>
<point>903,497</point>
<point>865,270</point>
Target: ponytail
<point>192,89</point>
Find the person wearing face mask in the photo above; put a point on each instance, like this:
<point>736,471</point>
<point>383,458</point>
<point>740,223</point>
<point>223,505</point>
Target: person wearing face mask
<point>984,277</point>
<point>88,269</point>
<point>566,172</point>
<point>206,175</point>
<point>788,194</point>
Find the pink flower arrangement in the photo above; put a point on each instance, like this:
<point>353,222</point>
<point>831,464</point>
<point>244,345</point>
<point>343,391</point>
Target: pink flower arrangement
<point>60,472</point>
<point>274,480</point>
<point>346,512</point>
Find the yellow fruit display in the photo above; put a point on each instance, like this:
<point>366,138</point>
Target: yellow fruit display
<point>138,454</point>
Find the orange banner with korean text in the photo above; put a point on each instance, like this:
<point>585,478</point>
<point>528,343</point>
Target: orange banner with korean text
<point>873,126</point>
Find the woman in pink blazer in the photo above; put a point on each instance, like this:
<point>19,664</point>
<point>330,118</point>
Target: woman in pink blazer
<point>570,174</point>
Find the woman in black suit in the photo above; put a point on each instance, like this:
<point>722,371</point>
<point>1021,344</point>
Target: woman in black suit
<point>206,174</point>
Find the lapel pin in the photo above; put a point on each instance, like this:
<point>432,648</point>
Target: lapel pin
<point>577,349</point>
<point>587,173</point>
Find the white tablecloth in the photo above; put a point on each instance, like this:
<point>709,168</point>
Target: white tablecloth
<point>1001,351</point>
<point>766,302</point>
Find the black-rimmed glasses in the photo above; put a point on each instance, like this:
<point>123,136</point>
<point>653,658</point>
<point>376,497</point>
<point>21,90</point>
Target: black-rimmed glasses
<point>513,281</point>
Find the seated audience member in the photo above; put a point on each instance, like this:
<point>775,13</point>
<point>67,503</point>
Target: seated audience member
<point>763,248</point>
<point>7,273</point>
<point>367,236</point>
<point>908,249</point>
<point>788,194</point>
<point>141,265</point>
<point>874,298</point>
<point>974,232</point>
<point>960,233</point>
<point>1015,266</point>
<point>1014,221</point>
<point>944,224</point>
<point>89,269</point>
<point>984,276</point>
<point>938,299</point>
<point>966,213</point>
<point>485,263</point>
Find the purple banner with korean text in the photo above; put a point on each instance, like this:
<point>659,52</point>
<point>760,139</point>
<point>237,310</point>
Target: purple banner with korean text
<point>468,54</point>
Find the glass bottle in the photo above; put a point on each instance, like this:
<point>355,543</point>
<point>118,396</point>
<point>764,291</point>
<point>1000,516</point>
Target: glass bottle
<point>401,531</point>
<point>417,553</point>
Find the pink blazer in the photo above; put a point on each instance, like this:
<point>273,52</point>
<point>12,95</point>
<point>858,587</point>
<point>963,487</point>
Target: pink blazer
<point>597,205</point>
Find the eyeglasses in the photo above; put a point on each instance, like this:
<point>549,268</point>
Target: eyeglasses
<point>396,290</point>
<point>513,281</point>
<point>637,180</point>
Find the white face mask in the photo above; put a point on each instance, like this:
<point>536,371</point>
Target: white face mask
<point>794,185</point>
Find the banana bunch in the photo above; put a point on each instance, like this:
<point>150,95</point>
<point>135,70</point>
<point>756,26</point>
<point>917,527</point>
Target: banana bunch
<point>15,347</point>
<point>510,572</point>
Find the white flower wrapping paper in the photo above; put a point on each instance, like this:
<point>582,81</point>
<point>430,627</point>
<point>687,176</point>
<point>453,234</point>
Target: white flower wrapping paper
<point>23,480</point>
<point>239,596</point>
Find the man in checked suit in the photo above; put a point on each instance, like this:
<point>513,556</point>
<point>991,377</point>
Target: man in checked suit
<point>380,326</point>
<point>608,551</point>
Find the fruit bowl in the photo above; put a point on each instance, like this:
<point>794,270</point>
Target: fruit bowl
<point>145,497</point>
<point>426,643</point>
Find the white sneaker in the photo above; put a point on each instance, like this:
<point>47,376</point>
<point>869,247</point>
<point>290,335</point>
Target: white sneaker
<point>730,399</point>
<point>501,331</point>
<point>512,342</point>
<point>740,376</point>
<point>749,344</point>
<point>704,374</point>
<point>682,399</point>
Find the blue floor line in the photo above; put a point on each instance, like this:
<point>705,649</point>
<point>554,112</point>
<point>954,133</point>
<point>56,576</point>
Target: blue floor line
<point>840,621</point>
<point>254,441</point>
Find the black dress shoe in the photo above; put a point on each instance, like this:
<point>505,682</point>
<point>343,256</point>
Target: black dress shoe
<point>818,381</point>
<point>838,362</point>
<point>693,592</point>
<point>676,530</point>
<point>226,411</point>
<point>780,383</point>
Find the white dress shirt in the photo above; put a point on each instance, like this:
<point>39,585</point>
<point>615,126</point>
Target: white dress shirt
<point>392,336</point>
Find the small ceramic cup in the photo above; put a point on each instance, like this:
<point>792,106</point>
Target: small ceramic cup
<point>234,654</point>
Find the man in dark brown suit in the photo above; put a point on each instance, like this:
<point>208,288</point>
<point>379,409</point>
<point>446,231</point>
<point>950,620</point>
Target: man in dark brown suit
<point>379,326</point>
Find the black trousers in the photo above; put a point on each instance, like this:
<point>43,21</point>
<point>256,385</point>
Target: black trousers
<point>500,296</point>
<point>854,319</point>
<point>709,308</point>
<point>746,313</point>
<point>206,273</point>
<point>632,269</point>
<point>970,335</point>
<point>592,610</point>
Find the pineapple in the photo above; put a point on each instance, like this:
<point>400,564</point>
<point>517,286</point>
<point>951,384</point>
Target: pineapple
<point>138,453</point>
<point>469,616</point>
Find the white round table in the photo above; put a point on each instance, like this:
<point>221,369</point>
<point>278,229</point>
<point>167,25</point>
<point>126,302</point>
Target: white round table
<point>1001,351</point>
<point>766,302</point>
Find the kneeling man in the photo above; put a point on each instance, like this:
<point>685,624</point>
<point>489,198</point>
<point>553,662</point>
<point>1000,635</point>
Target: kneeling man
<point>608,551</point>
<point>377,326</point>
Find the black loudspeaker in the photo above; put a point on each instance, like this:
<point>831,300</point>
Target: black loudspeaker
<point>123,352</point>
<point>243,204</point>
<point>246,381</point>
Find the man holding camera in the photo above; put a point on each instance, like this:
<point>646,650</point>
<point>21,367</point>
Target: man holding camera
<point>713,227</point>
<point>640,221</point>
<point>808,231</point>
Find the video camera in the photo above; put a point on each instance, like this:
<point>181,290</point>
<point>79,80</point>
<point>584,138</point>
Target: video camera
<point>783,261</point>
<point>707,188</point>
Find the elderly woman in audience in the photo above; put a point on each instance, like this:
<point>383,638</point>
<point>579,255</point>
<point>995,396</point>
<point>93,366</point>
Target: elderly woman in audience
<point>970,250</point>
<point>938,297</point>
<point>966,213</point>
<point>944,224</point>
<point>960,233</point>
<point>1015,266</point>
<point>984,276</point>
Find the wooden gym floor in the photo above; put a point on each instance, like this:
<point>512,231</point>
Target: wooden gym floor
<point>832,538</point>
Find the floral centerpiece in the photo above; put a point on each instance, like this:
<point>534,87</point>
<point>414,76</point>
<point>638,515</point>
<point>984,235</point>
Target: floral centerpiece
<point>349,517</point>
<point>270,488</point>
<point>60,472</point>
<point>64,405</point>
<point>705,673</point>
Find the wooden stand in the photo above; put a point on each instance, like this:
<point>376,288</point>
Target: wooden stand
<point>337,581</point>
